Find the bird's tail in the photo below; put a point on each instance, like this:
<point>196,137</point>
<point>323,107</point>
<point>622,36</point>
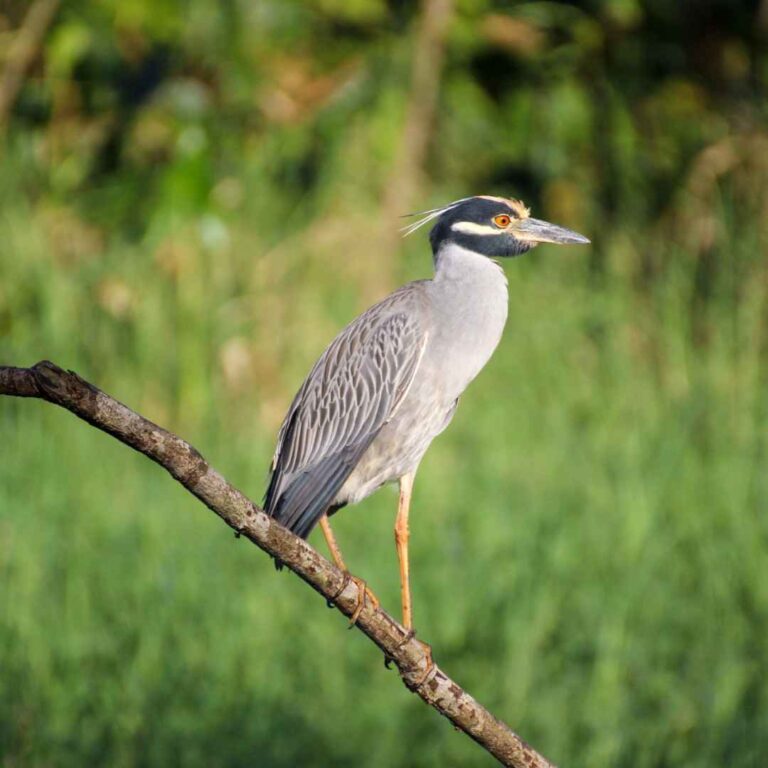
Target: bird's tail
<point>307,498</point>
<point>302,501</point>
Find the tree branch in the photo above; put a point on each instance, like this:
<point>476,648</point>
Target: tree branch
<point>66,389</point>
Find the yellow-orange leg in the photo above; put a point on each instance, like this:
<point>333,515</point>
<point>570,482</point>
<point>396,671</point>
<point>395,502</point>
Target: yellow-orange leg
<point>330,540</point>
<point>401,542</point>
<point>362,588</point>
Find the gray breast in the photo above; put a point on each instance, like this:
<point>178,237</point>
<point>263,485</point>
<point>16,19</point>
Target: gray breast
<point>466,307</point>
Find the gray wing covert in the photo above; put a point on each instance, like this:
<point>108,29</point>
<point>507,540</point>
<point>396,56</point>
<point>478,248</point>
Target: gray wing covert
<point>350,394</point>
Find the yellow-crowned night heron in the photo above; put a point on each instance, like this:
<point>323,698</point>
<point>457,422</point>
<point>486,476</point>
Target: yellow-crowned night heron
<point>389,383</point>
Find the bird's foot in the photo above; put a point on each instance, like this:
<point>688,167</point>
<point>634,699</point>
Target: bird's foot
<point>409,635</point>
<point>363,593</point>
<point>429,668</point>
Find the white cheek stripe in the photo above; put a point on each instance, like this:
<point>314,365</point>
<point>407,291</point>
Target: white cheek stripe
<point>470,228</point>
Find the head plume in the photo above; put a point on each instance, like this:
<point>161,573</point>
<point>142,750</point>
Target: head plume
<point>428,216</point>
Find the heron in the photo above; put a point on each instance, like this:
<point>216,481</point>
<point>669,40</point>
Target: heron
<point>390,382</point>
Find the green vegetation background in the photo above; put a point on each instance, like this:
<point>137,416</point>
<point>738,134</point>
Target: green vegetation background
<point>196,196</point>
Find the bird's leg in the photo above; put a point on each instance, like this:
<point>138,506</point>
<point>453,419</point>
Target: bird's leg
<point>362,588</point>
<point>401,542</point>
<point>330,540</point>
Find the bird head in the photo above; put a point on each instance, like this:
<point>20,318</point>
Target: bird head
<point>491,226</point>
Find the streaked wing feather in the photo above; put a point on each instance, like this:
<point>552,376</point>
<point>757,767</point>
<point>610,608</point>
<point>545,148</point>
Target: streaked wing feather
<point>350,394</point>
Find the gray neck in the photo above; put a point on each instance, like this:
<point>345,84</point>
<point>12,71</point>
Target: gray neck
<point>469,300</point>
<point>452,262</point>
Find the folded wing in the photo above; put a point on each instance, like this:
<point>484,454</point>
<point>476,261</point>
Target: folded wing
<point>353,390</point>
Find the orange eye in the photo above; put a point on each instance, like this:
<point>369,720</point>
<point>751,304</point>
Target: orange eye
<point>502,221</point>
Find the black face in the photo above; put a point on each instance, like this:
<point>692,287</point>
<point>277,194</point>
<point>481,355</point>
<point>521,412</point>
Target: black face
<point>495,227</point>
<point>472,225</point>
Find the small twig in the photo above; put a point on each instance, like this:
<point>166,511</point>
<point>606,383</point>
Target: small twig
<point>22,52</point>
<point>418,127</point>
<point>66,389</point>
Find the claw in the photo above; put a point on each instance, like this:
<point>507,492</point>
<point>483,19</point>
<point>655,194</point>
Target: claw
<point>374,600</point>
<point>431,666</point>
<point>362,593</point>
<point>409,635</point>
<point>331,601</point>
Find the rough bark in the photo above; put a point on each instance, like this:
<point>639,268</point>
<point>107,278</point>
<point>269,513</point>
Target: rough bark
<point>66,389</point>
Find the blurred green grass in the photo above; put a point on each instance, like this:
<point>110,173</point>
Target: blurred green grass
<point>589,543</point>
<point>193,201</point>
